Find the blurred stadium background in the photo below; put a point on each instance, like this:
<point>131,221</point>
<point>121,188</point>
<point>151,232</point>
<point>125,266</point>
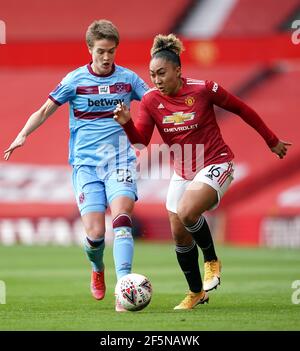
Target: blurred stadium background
<point>249,47</point>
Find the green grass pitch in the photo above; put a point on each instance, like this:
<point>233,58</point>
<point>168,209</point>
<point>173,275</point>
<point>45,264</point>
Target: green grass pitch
<point>47,288</point>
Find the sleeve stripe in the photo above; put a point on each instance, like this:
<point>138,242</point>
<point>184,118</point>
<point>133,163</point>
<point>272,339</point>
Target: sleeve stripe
<point>149,91</point>
<point>194,81</point>
<point>55,101</point>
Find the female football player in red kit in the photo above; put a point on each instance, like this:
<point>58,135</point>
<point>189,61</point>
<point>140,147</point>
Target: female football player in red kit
<point>182,110</point>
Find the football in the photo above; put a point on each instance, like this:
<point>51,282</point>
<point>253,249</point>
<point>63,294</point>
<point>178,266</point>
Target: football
<point>134,291</point>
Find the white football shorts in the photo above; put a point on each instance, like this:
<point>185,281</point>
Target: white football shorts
<point>218,176</point>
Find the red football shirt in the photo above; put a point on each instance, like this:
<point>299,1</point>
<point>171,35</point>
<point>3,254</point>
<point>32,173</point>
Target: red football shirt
<point>187,120</point>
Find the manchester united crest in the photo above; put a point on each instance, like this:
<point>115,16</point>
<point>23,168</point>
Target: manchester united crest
<point>190,100</point>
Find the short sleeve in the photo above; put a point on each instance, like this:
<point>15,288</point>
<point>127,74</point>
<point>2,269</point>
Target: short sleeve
<point>139,87</point>
<point>63,92</point>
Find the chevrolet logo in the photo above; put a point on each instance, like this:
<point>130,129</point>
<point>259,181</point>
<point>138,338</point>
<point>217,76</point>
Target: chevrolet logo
<point>178,118</point>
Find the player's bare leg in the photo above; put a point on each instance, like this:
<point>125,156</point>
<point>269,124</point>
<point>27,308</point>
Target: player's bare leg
<point>94,224</point>
<point>198,198</point>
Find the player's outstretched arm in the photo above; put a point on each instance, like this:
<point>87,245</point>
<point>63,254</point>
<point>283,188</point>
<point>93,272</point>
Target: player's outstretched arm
<point>281,148</point>
<point>232,103</point>
<point>33,122</point>
<point>122,114</point>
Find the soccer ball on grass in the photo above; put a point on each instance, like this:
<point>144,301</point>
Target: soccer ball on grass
<point>134,291</point>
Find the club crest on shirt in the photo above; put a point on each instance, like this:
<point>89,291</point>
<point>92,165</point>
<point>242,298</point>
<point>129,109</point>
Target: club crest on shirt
<point>120,88</point>
<point>190,100</point>
<point>178,118</point>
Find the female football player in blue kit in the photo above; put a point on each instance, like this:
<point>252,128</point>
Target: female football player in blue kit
<point>103,161</point>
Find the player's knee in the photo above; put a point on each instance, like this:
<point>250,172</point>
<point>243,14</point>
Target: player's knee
<point>95,231</point>
<point>186,216</point>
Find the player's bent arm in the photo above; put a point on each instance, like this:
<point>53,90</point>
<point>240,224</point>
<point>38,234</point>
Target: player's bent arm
<point>138,136</point>
<point>229,102</point>
<point>139,133</point>
<point>33,122</point>
<point>238,107</point>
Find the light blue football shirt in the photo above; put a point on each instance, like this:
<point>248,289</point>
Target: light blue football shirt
<point>95,137</point>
